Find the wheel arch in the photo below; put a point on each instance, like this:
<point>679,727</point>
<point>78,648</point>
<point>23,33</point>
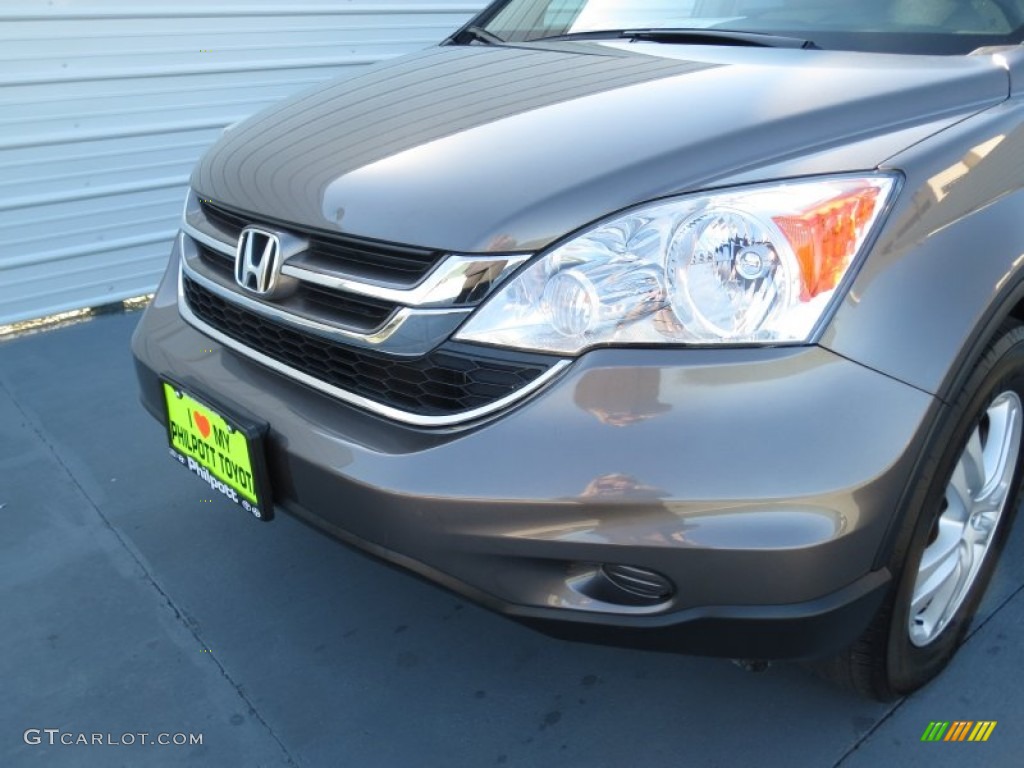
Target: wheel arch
<point>1008,306</point>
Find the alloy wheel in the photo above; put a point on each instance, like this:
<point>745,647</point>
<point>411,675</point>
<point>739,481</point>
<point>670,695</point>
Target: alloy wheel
<point>975,500</point>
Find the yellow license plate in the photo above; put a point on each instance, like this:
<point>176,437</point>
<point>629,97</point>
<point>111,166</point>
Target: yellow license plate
<point>219,450</point>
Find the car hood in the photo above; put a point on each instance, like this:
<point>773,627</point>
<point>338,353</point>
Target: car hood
<point>499,148</point>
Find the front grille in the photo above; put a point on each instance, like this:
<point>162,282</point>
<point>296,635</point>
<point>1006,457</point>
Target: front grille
<point>398,264</point>
<point>443,383</point>
<point>216,261</point>
<point>352,311</point>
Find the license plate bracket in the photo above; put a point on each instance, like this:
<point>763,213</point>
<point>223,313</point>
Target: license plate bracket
<point>224,449</point>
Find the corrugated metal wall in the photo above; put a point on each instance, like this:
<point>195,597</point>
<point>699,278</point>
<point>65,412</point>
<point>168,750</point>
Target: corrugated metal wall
<point>106,104</point>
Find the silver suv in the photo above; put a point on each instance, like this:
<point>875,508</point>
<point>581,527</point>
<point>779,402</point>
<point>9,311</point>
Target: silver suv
<point>686,325</point>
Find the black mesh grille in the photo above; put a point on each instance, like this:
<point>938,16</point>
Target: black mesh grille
<point>399,264</point>
<point>442,383</point>
<point>360,313</point>
<point>215,260</point>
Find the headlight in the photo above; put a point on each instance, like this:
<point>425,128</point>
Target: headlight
<point>756,265</point>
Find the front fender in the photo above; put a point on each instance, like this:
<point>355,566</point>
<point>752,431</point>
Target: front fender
<point>949,264</point>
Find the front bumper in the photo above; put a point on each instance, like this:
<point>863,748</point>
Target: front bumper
<point>762,482</point>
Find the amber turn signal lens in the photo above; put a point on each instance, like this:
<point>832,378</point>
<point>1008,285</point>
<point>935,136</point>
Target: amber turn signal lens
<point>825,239</point>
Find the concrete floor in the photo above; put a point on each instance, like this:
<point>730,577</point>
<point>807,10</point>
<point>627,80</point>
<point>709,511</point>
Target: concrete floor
<point>130,605</point>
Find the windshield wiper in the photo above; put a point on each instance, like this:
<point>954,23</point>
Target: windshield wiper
<point>697,36</point>
<point>479,34</point>
<point>717,37</point>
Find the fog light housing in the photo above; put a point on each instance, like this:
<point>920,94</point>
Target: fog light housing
<point>641,583</point>
<point>613,586</point>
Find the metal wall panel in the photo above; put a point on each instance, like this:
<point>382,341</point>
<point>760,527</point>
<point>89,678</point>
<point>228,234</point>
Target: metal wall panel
<point>105,105</point>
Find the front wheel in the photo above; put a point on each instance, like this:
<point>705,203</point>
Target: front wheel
<point>971,511</point>
<point>963,501</point>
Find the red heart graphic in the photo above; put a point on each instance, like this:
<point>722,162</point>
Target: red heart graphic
<point>202,422</point>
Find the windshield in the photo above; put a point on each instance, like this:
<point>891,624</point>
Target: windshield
<point>899,26</point>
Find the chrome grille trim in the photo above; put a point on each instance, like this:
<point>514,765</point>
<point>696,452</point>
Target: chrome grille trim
<point>395,264</point>
<point>458,280</point>
<point>395,414</point>
<point>408,332</point>
<point>454,278</point>
<point>324,294</point>
<point>228,249</point>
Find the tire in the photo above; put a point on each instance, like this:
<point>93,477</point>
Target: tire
<point>897,655</point>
